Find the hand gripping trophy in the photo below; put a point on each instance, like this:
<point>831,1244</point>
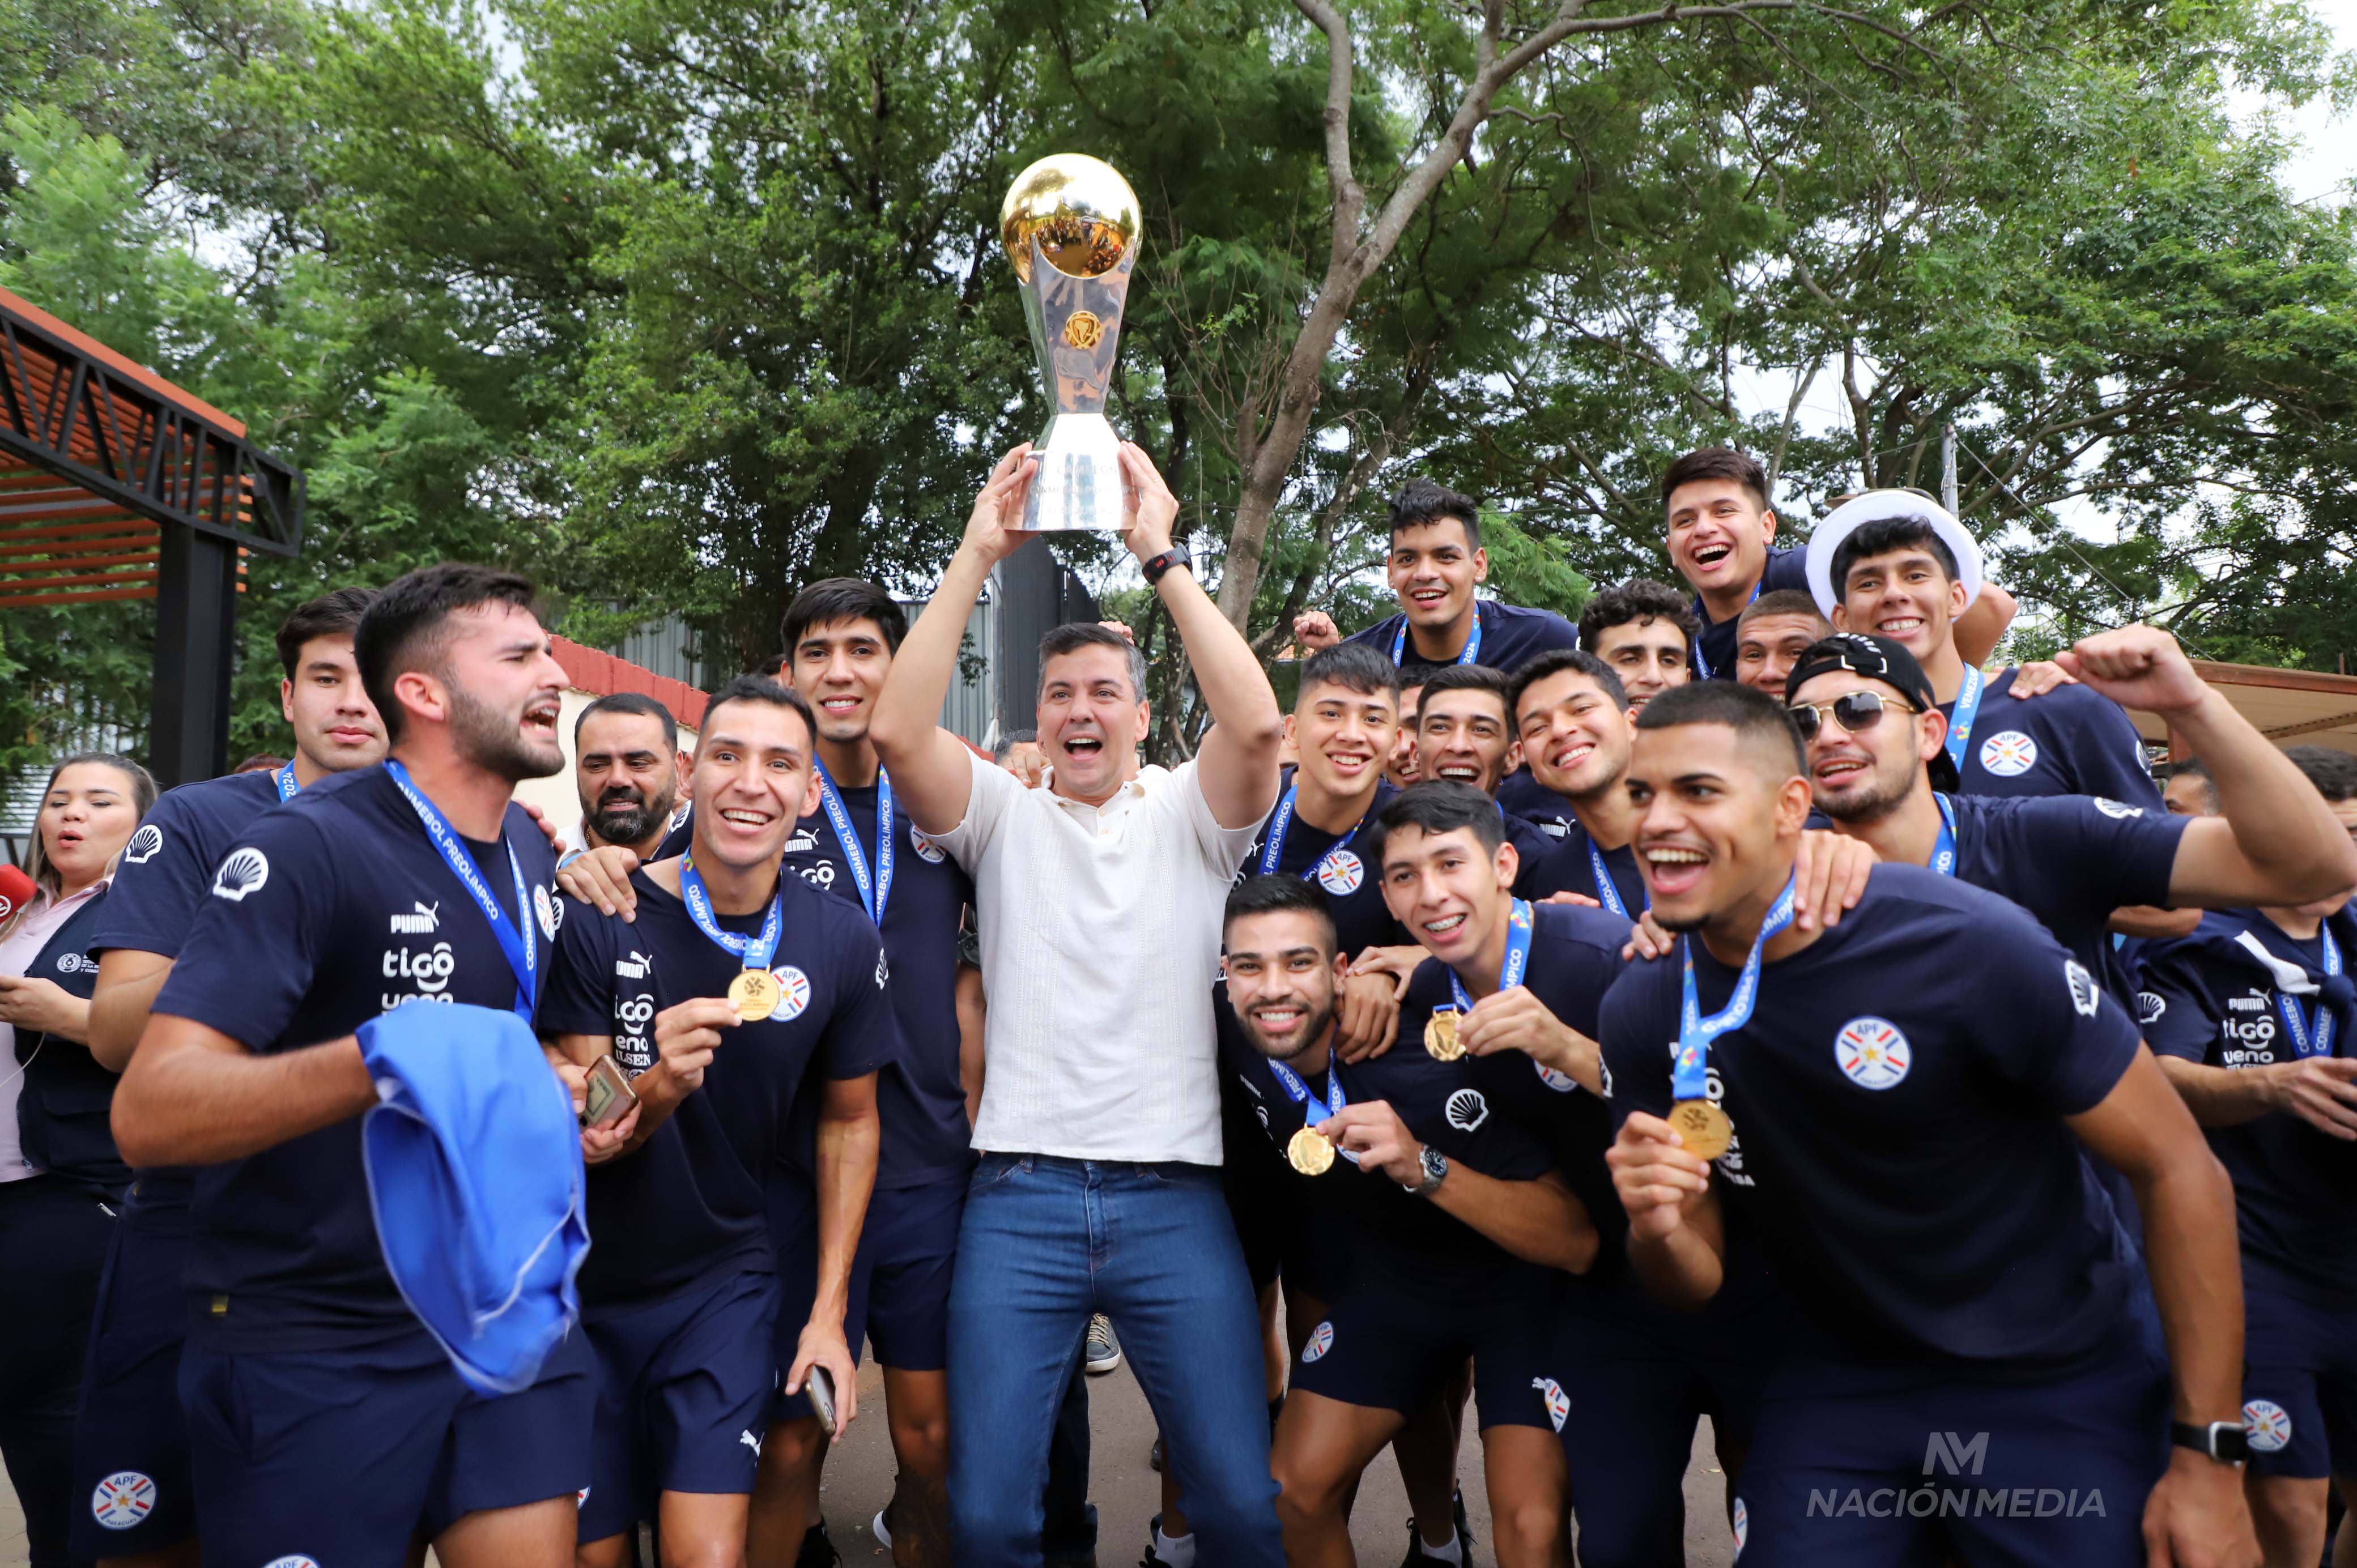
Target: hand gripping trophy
<point>1071,225</point>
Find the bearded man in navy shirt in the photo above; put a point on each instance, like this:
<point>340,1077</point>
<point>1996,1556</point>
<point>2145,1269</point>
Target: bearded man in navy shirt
<point>326,1422</point>
<point>1897,1106</point>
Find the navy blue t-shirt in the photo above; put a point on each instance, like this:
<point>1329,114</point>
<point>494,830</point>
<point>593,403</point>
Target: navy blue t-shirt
<point>1542,869</point>
<point>1568,868</point>
<point>1353,884</point>
<point>1575,956</point>
<point>1315,1208</point>
<point>2070,741</point>
<point>2295,1187</point>
<point>1397,1242</point>
<point>159,885</point>
<point>2070,860</point>
<point>1787,566</point>
<point>333,910</point>
<point>1523,795</point>
<point>1511,635</point>
<point>689,1202</point>
<point>1899,1096</point>
<point>919,1097</point>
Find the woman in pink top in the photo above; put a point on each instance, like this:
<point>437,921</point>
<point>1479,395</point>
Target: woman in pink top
<point>59,1178</point>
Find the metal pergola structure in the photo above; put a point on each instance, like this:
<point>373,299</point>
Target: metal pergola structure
<point>116,484</point>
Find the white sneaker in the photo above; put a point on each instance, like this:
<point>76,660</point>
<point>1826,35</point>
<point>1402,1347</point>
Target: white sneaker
<point>883,1535</point>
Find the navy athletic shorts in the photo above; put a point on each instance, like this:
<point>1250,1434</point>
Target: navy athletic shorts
<point>338,1457</point>
<point>2299,1377</point>
<point>899,1277</point>
<point>684,1386</point>
<point>1388,1345</point>
<point>1864,1466</point>
<point>131,1444</point>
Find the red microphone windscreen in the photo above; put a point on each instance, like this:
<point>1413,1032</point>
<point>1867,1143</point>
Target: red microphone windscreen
<point>15,890</point>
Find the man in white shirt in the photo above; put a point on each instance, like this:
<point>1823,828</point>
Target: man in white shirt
<point>1099,897</point>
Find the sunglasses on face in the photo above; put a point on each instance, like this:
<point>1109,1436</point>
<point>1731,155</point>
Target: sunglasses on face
<point>1855,712</point>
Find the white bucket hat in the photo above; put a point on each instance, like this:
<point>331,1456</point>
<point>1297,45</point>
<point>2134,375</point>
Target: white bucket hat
<point>1874,507</point>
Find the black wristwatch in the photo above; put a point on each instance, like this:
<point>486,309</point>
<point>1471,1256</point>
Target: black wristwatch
<point>2225,1440</point>
<point>1435,1165</point>
<point>1176,555</point>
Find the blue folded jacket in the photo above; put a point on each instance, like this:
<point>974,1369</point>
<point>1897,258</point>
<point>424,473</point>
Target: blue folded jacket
<point>473,1157</point>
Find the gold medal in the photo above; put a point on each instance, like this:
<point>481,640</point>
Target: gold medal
<point>1440,1042</point>
<point>1701,1127</point>
<point>1309,1153</point>
<point>756,992</point>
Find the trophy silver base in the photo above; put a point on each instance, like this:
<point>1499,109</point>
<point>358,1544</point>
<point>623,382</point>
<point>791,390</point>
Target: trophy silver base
<point>1079,487</point>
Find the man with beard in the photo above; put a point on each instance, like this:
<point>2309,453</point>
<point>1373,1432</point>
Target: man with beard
<point>681,1296</point>
<point>1913,1095</point>
<point>627,766</point>
<point>325,1420</point>
<point>1879,767</point>
<point>130,1422</point>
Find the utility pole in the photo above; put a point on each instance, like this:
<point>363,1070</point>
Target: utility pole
<point>1948,468</point>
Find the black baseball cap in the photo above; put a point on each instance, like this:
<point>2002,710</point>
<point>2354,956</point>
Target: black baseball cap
<point>1876,658</point>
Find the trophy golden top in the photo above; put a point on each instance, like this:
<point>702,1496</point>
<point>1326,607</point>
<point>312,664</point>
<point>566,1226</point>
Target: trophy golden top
<point>1082,213</point>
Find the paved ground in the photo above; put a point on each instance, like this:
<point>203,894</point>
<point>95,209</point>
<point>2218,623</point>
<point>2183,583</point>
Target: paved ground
<point>1127,1493</point>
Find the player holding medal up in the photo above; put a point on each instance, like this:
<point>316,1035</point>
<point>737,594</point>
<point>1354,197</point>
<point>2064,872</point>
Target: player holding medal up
<point>681,1293</point>
<point>1910,1093</point>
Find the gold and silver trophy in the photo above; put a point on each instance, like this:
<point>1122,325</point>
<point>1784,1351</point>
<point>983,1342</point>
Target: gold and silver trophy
<point>1071,225</point>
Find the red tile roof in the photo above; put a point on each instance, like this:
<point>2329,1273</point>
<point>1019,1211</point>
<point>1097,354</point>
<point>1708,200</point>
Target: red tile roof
<point>602,675</point>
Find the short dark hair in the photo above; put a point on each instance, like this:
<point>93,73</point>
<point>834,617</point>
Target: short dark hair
<point>832,600</point>
<point>1009,741</point>
<point>1465,678</point>
<point>1752,713</point>
<point>333,614</point>
<point>1421,500</point>
<point>2195,769</point>
<point>403,629</point>
<point>1353,666</point>
<point>1640,599</point>
<point>1716,463</point>
<point>260,762</point>
<point>1785,602</point>
<point>758,689</point>
<point>630,703</point>
<point>1882,536</point>
<point>1437,806</point>
<point>1279,895</point>
<point>774,666</point>
<point>2334,773</point>
<point>1555,662</point>
<point>1075,635</point>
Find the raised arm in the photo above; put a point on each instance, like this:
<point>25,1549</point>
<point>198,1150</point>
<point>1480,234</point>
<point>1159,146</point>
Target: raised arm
<point>2275,841</point>
<point>931,771</point>
<point>1237,762</point>
<point>1979,628</point>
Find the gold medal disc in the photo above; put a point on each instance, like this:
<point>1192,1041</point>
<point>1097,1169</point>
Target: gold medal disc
<point>756,992</point>
<point>1309,1153</point>
<point>1440,1042</point>
<point>1701,1127</point>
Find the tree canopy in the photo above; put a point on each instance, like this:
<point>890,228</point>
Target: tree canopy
<point>682,303</point>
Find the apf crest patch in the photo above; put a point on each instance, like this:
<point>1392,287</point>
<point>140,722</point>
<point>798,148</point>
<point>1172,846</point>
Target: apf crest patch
<point>1321,1340</point>
<point>122,1500</point>
<point>2008,754</point>
<point>1558,1403</point>
<point>2268,1425</point>
<point>1872,1053</point>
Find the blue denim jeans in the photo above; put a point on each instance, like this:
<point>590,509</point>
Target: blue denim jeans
<point>1047,1242</point>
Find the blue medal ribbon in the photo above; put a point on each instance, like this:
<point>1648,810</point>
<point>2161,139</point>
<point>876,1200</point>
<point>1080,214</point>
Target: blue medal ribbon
<point>1689,1077</point>
<point>1702,665</point>
<point>1943,853</point>
<point>875,891</point>
<point>514,936</point>
<point>754,951</point>
<point>1960,723</point>
<point>1295,1086</point>
<point>2316,1039</point>
<point>1606,893</point>
<point>285,779</point>
<point>1518,957</point>
<point>1272,849</point>
<point>1472,642</point>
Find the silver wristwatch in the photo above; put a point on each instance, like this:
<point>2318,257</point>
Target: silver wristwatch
<point>1435,1165</point>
